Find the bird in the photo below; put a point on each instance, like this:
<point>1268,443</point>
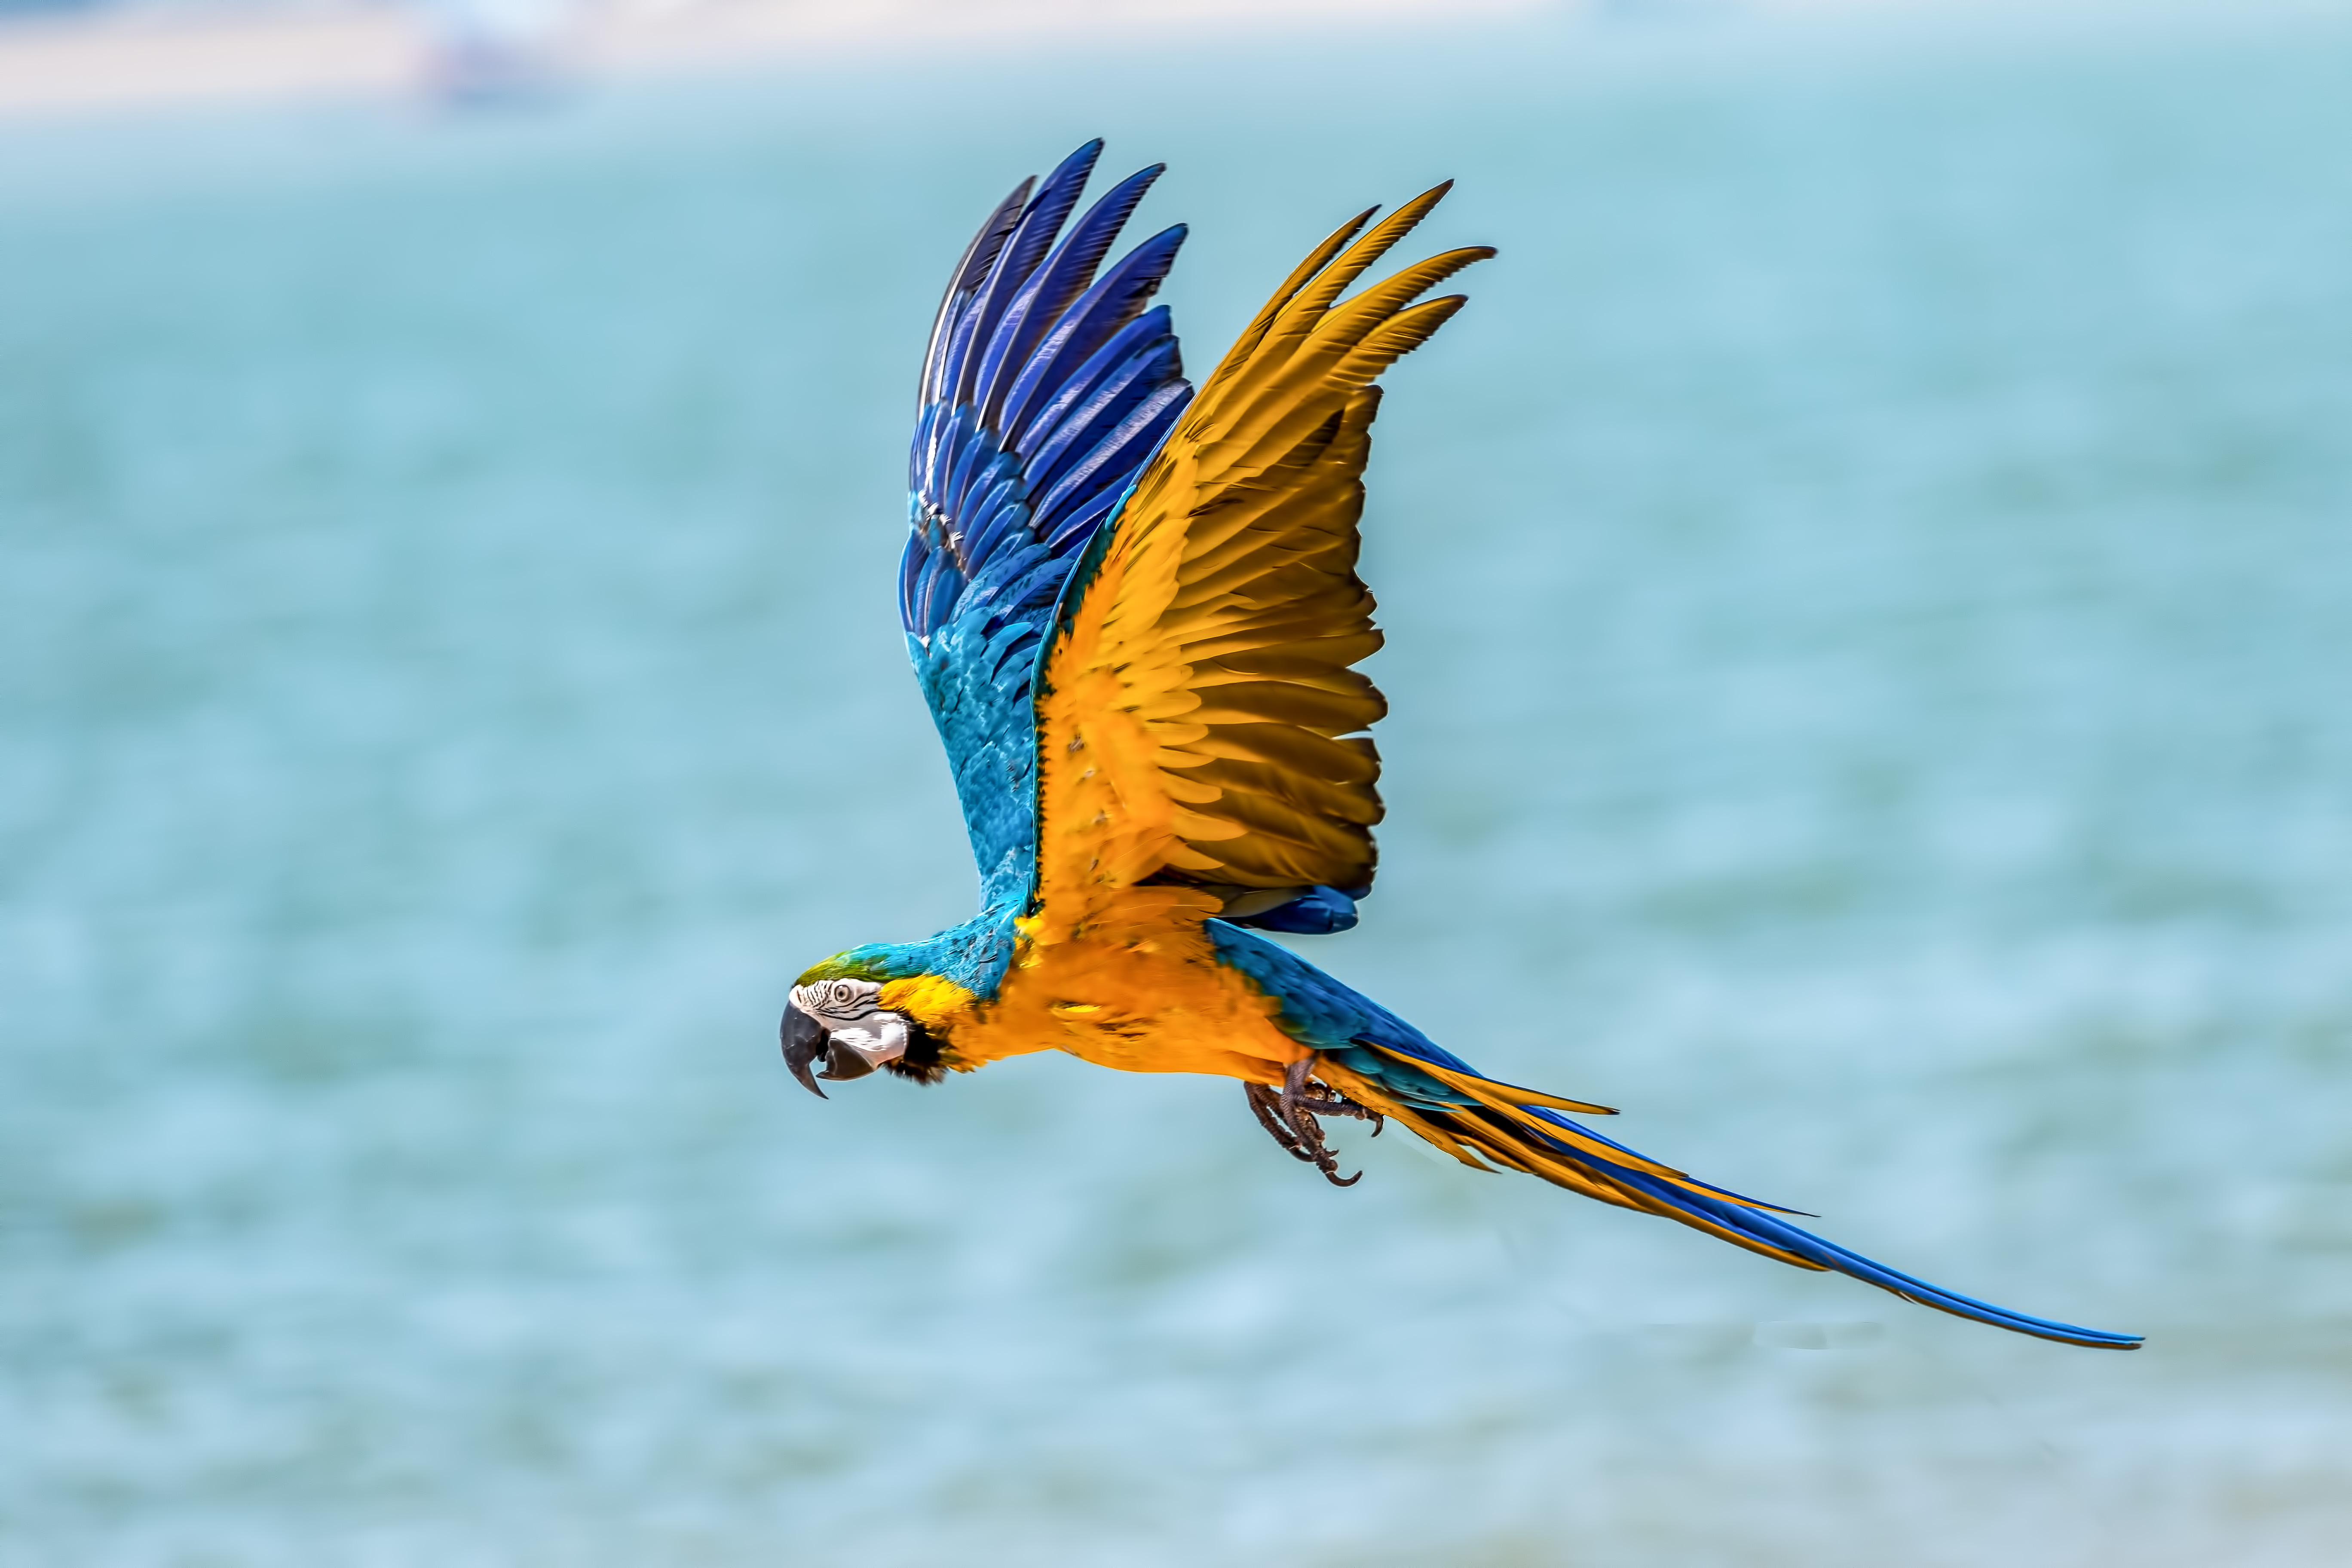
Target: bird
<point>1133,608</point>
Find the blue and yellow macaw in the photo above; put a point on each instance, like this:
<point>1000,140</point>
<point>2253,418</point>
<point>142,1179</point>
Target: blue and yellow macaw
<point>1133,607</point>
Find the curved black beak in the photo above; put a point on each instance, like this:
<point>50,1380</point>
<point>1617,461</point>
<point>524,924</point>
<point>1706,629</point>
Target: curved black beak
<point>804,1040</point>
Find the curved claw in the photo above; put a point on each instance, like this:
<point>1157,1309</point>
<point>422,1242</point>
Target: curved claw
<point>1290,1111</point>
<point>804,1040</point>
<point>1265,1107</point>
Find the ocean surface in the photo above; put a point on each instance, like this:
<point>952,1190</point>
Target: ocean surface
<point>1870,609</point>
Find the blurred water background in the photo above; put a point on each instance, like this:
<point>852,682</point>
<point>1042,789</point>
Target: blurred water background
<point>1868,601</point>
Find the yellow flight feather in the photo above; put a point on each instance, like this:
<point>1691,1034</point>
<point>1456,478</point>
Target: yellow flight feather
<point>1202,720</point>
<point>1481,1145</point>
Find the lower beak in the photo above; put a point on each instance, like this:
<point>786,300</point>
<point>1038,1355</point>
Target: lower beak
<point>804,1040</point>
<point>844,1061</point>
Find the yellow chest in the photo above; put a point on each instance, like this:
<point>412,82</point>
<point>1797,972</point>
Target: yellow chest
<point>1140,1002</point>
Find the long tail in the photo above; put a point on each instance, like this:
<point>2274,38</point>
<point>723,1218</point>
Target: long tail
<point>1485,1124</point>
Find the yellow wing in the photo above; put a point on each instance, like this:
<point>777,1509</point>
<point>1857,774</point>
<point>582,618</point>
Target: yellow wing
<point>1200,722</point>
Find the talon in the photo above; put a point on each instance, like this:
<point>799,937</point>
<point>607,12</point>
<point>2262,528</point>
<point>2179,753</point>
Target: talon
<point>1294,1091</point>
<point>1288,1115</point>
<point>1325,1162</point>
<point>1262,1104</point>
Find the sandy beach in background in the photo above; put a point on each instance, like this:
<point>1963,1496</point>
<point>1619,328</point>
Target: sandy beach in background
<point>149,54</point>
<point>136,57</point>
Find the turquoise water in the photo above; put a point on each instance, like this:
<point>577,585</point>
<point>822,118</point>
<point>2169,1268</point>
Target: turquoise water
<point>1868,603</point>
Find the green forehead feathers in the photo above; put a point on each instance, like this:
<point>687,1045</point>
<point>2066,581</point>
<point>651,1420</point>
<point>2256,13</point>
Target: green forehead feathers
<point>855,965</point>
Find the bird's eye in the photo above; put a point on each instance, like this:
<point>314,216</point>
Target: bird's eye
<point>845,993</point>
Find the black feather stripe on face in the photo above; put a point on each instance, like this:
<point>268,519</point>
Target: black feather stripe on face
<point>922,1062</point>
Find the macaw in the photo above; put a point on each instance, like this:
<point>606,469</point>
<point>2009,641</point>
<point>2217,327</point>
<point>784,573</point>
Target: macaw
<point>1133,608</point>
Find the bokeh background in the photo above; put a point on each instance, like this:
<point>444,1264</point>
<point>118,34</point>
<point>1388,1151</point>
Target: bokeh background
<point>1869,604</point>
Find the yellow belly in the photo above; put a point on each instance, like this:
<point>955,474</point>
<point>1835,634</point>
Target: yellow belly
<point>1141,1001</point>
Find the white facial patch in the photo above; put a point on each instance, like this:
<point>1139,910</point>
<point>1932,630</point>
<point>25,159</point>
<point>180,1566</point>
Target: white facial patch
<point>838,1001</point>
<point>854,1018</point>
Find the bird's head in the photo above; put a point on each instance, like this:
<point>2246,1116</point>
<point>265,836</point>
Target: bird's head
<point>853,1015</point>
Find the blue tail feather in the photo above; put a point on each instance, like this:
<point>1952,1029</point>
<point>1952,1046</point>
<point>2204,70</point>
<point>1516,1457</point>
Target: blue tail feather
<point>1360,1041</point>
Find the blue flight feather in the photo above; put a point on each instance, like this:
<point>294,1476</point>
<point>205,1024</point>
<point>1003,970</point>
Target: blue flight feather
<point>1318,911</point>
<point>1109,401</point>
<point>1050,290</point>
<point>1142,428</point>
<point>1023,251</point>
<point>1044,389</point>
<point>1115,301</point>
<point>1054,412</point>
<point>977,258</point>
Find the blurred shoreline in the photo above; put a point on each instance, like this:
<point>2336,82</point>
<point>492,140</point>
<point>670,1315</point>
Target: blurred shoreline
<point>96,58</point>
<point>106,58</point>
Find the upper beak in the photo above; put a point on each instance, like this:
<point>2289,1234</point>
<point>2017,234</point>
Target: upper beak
<point>804,1040</point>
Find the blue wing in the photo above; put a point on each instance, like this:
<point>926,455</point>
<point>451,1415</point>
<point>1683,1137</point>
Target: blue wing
<point>1047,385</point>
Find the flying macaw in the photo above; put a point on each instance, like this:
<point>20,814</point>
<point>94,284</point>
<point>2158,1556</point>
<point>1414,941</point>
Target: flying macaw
<point>1133,608</point>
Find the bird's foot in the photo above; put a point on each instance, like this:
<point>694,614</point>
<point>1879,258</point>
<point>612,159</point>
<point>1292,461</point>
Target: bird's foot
<point>1289,1114</point>
<point>1301,1097</point>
